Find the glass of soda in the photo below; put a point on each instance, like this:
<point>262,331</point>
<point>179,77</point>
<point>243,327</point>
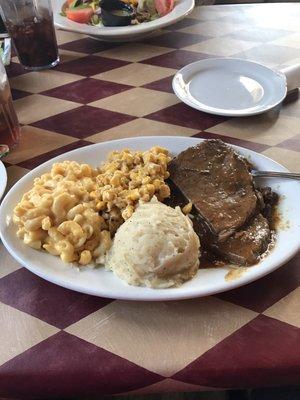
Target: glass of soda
<point>30,25</point>
<point>9,125</point>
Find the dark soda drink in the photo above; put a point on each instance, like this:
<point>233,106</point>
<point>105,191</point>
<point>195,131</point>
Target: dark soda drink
<point>35,42</point>
<point>2,26</point>
<point>30,25</point>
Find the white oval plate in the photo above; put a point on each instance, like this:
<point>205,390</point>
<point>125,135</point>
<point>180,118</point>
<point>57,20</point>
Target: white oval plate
<point>3,179</point>
<point>123,33</point>
<point>103,283</point>
<point>229,86</point>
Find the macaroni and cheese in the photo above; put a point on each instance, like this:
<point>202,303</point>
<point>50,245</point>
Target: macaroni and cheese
<point>74,210</point>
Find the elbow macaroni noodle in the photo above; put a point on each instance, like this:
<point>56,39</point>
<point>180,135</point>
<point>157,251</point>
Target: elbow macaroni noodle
<point>74,210</point>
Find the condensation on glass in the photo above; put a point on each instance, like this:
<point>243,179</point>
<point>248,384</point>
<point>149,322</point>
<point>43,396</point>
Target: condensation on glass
<point>30,25</point>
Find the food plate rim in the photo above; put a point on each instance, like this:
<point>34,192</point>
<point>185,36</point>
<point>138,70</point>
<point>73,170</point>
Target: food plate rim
<point>3,176</point>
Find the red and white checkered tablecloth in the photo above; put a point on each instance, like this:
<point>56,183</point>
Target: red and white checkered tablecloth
<point>59,343</point>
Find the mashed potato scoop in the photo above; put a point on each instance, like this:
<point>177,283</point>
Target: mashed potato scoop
<point>156,247</point>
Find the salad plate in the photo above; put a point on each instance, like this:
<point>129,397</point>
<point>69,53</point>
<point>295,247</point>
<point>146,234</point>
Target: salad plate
<point>181,9</point>
<point>100,282</point>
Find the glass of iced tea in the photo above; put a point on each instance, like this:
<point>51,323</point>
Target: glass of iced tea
<point>30,25</point>
<point>9,125</point>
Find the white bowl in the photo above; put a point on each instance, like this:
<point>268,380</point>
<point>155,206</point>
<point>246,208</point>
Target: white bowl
<point>104,283</point>
<point>122,33</point>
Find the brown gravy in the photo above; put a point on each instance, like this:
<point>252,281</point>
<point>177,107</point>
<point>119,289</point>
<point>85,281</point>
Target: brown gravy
<point>235,273</point>
<point>209,259</point>
<point>277,221</point>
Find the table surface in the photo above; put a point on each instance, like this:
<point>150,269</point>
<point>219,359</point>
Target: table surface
<point>55,342</point>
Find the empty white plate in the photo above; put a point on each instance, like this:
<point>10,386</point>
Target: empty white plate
<point>231,87</point>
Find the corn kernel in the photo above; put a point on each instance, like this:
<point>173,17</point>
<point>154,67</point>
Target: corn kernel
<point>187,208</point>
<point>101,205</point>
<point>164,191</point>
<point>133,195</point>
<point>108,195</point>
<point>127,213</point>
<point>85,257</point>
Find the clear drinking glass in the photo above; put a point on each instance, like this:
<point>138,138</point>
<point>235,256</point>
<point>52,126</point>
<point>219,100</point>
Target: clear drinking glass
<point>30,25</point>
<point>9,125</point>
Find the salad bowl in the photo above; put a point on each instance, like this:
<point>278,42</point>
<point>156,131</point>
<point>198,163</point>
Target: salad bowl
<point>181,9</point>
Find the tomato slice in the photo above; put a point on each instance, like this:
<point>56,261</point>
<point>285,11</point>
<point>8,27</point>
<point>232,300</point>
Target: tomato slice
<point>80,15</point>
<point>163,7</point>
